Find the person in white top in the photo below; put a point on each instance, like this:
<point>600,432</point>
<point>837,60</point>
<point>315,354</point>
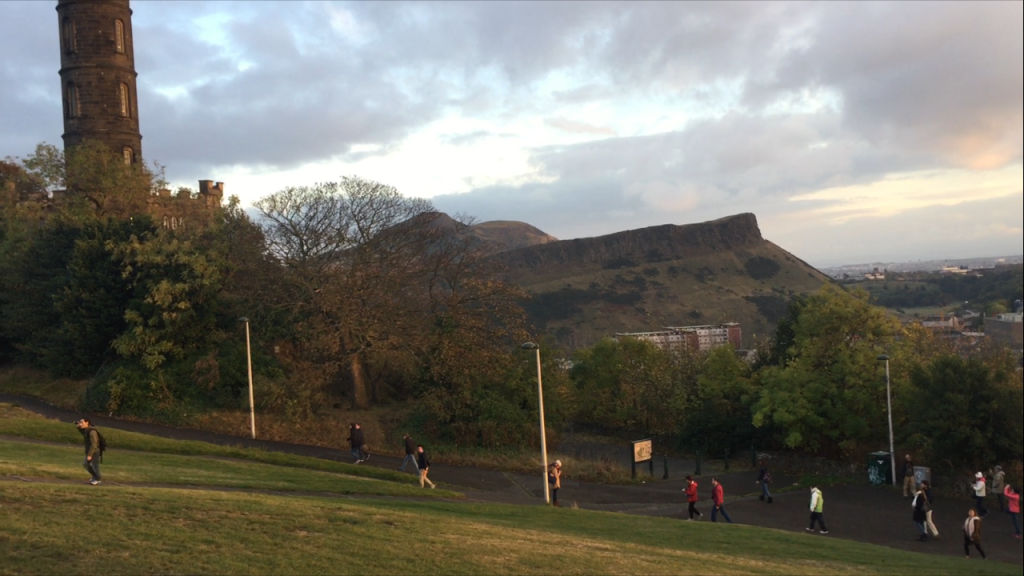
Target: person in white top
<point>979,494</point>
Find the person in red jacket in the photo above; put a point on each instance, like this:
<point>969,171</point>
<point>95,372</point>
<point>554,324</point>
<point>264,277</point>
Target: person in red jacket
<point>691,497</point>
<point>1013,503</point>
<point>718,499</point>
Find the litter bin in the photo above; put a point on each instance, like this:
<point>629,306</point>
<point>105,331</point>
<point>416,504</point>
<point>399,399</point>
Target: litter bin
<point>880,469</point>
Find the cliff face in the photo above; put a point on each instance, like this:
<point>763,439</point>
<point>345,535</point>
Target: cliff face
<point>636,247</point>
<point>642,280</point>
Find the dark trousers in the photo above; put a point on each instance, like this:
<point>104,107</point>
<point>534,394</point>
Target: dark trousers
<point>93,467</point>
<point>693,510</point>
<point>922,528</point>
<point>1016,523</point>
<point>819,518</point>
<point>979,506</point>
<point>554,496</point>
<point>716,510</point>
<point>967,547</point>
<point>1002,501</point>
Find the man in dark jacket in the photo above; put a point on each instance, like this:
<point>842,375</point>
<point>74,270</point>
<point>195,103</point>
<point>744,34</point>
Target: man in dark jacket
<point>93,454</point>
<point>764,478</point>
<point>410,454</point>
<point>424,465</point>
<point>357,441</point>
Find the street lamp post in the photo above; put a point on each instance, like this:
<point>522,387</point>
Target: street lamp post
<point>543,433</point>
<point>888,398</point>
<point>248,355</point>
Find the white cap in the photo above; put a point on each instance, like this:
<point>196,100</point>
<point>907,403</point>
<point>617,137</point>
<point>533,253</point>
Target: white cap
<point>979,475</point>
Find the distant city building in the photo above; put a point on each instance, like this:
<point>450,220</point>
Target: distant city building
<point>875,274</point>
<point>954,270</point>
<point>695,338</point>
<point>947,323</point>
<point>1006,329</point>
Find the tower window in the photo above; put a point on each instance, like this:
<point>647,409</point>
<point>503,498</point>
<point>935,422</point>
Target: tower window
<point>73,106</point>
<point>119,36</point>
<point>125,102</point>
<point>129,155</point>
<point>68,33</point>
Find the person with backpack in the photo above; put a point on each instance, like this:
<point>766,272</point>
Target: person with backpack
<point>718,501</point>
<point>95,446</point>
<point>972,534</point>
<point>410,454</point>
<point>817,510</point>
<point>423,461</point>
<point>926,489</point>
<point>921,508</point>
<point>692,498</point>
<point>764,478</point>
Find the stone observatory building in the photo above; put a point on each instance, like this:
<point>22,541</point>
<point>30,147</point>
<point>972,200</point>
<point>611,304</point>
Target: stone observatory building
<point>98,87</point>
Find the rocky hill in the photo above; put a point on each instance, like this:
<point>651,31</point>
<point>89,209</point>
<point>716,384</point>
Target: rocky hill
<point>641,280</point>
<point>511,235</point>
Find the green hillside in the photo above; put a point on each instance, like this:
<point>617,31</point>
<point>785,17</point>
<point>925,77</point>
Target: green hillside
<point>239,517</point>
<point>751,285</point>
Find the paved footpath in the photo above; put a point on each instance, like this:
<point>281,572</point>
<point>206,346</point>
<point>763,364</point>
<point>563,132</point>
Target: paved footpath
<point>857,512</point>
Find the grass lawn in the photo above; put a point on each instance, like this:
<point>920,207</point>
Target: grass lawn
<point>51,529</point>
<point>65,462</point>
<point>20,423</point>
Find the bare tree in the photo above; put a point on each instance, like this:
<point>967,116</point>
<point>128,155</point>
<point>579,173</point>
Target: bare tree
<point>371,274</point>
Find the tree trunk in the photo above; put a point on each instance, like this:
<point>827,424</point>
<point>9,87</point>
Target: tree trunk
<point>360,387</point>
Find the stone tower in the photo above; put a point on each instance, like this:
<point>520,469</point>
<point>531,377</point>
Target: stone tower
<point>97,74</point>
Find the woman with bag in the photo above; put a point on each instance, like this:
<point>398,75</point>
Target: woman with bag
<point>972,534</point>
<point>555,481</point>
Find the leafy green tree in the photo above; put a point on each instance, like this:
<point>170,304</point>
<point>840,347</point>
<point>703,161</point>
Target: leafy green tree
<point>92,304</point>
<point>719,414</point>
<point>174,288</point>
<point>968,413</point>
<point>828,395</point>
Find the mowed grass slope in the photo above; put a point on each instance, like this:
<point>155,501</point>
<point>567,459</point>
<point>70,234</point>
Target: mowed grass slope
<point>20,423</point>
<point>51,529</point>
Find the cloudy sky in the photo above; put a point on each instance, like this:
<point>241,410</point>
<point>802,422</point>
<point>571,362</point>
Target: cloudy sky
<point>856,132</point>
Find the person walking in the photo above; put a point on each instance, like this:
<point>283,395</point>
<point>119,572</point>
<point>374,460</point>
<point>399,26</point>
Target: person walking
<point>909,483</point>
<point>998,485</point>
<point>94,447</point>
<point>1013,507</point>
<point>352,443</point>
<point>555,481</point>
<point>926,488</point>
<point>410,454</point>
<point>718,501</point>
<point>423,461</point>
<point>972,534</point>
<point>764,478</point>
<point>921,508</point>
<point>817,510</point>
<point>979,494</point>
<point>692,499</point>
